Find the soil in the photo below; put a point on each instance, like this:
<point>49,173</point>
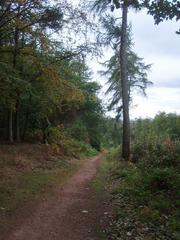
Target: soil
<point>73,212</point>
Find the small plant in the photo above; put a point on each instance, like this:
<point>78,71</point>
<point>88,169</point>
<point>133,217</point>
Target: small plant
<point>146,194</point>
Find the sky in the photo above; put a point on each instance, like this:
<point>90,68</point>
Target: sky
<point>158,45</point>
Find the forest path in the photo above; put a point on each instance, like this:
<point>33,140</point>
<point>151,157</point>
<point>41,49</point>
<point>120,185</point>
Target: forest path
<point>72,212</point>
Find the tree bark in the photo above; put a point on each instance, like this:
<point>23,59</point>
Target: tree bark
<point>15,53</point>
<point>124,82</point>
<point>26,119</point>
<point>11,126</point>
<point>17,121</point>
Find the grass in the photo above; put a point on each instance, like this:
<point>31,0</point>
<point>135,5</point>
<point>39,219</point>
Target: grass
<point>101,235</point>
<point>29,186</point>
<point>99,186</point>
<point>99,183</point>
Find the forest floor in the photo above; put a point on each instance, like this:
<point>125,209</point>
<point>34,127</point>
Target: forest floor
<point>74,210</point>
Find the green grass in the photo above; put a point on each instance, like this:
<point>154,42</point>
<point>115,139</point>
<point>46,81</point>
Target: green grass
<point>99,183</point>
<point>101,235</point>
<point>29,186</point>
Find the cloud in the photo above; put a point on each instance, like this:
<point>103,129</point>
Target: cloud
<point>151,39</point>
<point>159,46</point>
<point>173,83</point>
<point>165,71</point>
<point>159,99</point>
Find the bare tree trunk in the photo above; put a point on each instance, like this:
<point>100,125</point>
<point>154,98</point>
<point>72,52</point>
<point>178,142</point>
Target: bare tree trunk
<point>11,126</point>
<point>124,81</point>
<point>26,120</point>
<point>15,54</point>
<point>17,121</point>
<point>25,125</point>
<point>11,138</point>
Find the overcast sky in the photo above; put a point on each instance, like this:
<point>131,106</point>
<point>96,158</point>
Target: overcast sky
<point>159,46</point>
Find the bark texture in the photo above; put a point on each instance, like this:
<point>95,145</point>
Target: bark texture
<point>124,82</point>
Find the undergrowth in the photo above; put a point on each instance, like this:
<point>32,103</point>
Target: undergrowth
<point>146,199</point>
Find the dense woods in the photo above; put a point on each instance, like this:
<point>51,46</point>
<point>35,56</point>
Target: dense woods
<point>44,84</point>
<point>50,104</point>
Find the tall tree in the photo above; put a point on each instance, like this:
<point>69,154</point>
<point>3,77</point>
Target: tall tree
<point>136,68</point>
<point>124,83</point>
<point>23,31</point>
<point>124,6</point>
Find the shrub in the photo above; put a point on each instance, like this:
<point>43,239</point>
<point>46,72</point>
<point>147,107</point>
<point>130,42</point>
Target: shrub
<point>157,153</point>
<point>63,141</point>
<point>149,196</point>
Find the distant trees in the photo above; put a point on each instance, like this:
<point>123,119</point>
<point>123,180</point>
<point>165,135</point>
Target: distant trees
<point>44,79</point>
<point>156,142</point>
<point>43,82</point>
<point>24,27</point>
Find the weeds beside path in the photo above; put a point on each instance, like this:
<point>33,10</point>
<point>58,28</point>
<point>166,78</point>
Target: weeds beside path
<point>72,212</point>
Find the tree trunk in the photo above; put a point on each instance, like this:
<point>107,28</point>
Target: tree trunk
<point>17,121</point>
<point>11,139</point>
<point>25,125</point>
<point>15,53</point>
<point>26,120</point>
<point>11,126</point>
<point>124,82</point>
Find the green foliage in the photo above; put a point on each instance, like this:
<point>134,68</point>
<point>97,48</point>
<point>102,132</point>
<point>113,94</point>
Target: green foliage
<point>44,83</point>
<point>111,133</point>
<point>146,198</point>
<point>86,150</point>
<point>146,192</point>
<point>113,154</point>
<point>79,131</point>
<point>160,139</point>
<point>64,143</point>
<point>163,10</point>
<point>136,68</point>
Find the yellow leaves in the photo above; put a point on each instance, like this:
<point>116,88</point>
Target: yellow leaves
<point>51,74</point>
<point>44,41</point>
<point>21,2</point>
<point>93,98</point>
<point>72,93</point>
<point>26,50</point>
<point>61,90</point>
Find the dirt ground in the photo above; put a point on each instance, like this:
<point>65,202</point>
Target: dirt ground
<point>73,212</point>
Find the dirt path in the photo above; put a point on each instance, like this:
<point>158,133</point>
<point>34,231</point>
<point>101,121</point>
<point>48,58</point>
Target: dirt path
<point>73,212</point>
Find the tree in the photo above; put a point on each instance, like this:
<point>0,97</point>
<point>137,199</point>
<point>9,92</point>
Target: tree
<point>124,83</point>
<point>30,61</point>
<point>136,68</point>
<point>124,5</point>
<point>137,79</point>
<point>23,26</point>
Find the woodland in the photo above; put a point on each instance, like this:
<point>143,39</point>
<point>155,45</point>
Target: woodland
<point>51,111</point>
